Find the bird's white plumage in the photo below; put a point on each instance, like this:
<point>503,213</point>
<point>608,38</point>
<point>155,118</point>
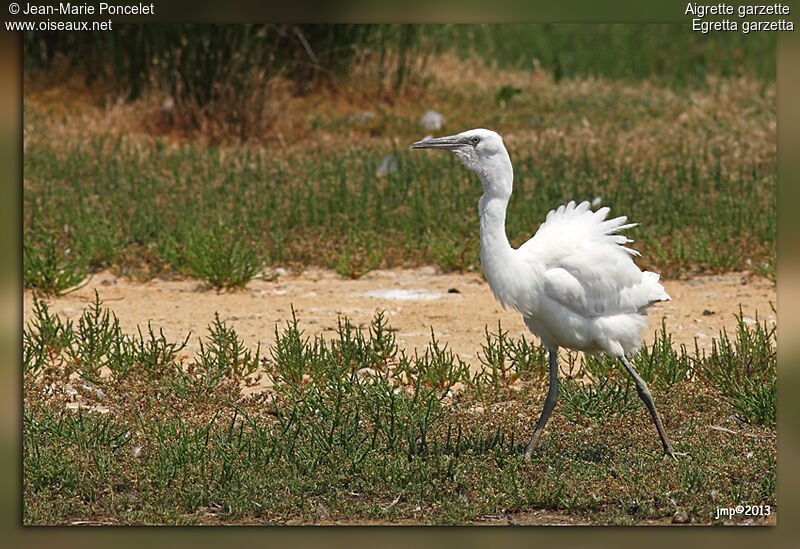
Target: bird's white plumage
<point>574,281</point>
<point>590,280</point>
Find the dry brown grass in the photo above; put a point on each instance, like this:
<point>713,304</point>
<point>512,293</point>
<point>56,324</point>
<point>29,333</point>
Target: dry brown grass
<point>640,123</point>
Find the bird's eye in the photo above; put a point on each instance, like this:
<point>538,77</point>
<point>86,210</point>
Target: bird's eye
<point>474,139</point>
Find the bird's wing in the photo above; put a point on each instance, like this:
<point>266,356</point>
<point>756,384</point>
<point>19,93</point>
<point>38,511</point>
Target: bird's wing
<point>587,266</point>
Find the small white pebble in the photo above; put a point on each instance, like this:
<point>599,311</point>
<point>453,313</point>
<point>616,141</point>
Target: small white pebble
<point>432,120</point>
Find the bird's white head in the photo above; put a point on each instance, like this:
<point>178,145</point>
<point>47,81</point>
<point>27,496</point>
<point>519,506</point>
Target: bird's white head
<point>483,152</point>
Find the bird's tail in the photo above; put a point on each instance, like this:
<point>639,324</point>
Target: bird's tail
<point>652,290</point>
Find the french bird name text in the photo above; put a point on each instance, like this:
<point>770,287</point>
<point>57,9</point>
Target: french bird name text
<point>701,10</point>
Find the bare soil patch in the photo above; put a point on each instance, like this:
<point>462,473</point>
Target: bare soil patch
<point>457,306</point>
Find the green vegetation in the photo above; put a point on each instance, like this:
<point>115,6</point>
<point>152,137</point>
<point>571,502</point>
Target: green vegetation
<point>666,53</point>
<point>353,429</point>
<point>744,369</point>
<point>203,213</point>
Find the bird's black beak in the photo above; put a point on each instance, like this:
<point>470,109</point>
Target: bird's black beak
<point>449,143</point>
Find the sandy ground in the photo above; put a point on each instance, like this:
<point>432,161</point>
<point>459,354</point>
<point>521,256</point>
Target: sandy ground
<point>457,306</point>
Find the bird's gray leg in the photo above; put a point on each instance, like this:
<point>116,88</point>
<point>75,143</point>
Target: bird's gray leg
<point>549,404</point>
<point>647,398</point>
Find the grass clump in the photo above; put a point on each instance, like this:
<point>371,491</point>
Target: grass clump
<point>660,365</point>
<point>222,256</point>
<point>48,265</point>
<point>45,340</point>
<point>504,361</point>
<point>353,429</point>
<point>599,399</point>
<point>745,370</point>
<point>438,367</point>
<point>360,253</point>
<point>224,357</point>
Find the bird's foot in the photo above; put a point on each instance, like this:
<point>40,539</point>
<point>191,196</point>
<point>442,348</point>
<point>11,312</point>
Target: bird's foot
<point>532,445</point>
<point>672,454</point>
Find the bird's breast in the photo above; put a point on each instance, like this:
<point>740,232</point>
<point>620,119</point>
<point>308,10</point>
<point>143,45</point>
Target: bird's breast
<point>514,283</point>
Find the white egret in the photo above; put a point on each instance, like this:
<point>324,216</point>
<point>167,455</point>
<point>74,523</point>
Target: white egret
<point>574,282</point>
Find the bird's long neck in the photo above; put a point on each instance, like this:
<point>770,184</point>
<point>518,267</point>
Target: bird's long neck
<point>498,258</point>
<point>497,178</point>
<point>493,224</point>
